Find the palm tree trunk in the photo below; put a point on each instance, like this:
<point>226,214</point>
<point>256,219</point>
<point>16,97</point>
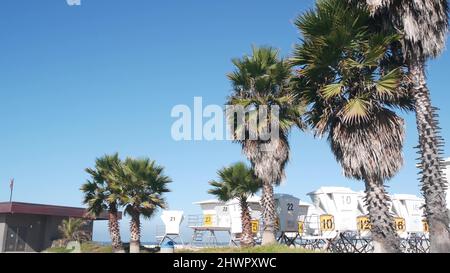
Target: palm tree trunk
<point>114,229</point>
<point>384,235</point>
<point>247,235</point>
<point>433,182</point>
<point>269,216</point>
<point>135,230</point>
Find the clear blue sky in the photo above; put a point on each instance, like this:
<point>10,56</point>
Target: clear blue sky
<point>79,82</point>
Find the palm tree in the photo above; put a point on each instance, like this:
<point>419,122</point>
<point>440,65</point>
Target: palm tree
<point>238,181</point>
<point>262,81</point>
<point>101,194</point>
<point>142,184</point>
<point>73,229</point>
<point>348,75</point>
<point>423,25</point>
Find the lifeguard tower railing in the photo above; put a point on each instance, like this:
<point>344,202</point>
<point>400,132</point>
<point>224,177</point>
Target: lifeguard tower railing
<point>319,233</point>
<point>204,229</point>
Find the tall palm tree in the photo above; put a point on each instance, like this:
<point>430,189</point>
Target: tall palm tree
<point>101,194</point>
<point>261,82</point>
<point>142,184</point>
<point>238,181</point>
<point>73,229</point>
<point>348,75</point>
<point>423,25</point>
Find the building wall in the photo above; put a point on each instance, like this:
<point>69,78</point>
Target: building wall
<point>41,230</point>
<point>51,231</point>
<point>2,231</point>
<point>35,225</point>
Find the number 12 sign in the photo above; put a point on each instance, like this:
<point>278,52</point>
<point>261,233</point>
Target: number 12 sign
<point>363,223</point>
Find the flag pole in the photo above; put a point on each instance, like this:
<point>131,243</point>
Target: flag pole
<point>11,187</point>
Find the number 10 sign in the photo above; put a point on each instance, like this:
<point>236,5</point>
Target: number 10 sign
<point>326,222</point>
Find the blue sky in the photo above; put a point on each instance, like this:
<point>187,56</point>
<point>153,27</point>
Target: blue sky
<point>77,82</point>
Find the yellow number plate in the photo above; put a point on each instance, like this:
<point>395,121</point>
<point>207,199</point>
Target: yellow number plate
<point>301,227</point>
<point>326,222</point>
<point>207,221</point>
<point>400,224</point>
<point>363,223</point>
<point>255,226</point>
<point>426,227</point>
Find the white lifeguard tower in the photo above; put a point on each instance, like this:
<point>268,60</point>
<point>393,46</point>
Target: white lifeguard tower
<point>340,208</point>
<point>172,220</point>
<point>215,217</point>
<point>409,208</point>
<point>218,216</point>
<point>334,223</point>
<point>236,218</point>
<point>410,222</point>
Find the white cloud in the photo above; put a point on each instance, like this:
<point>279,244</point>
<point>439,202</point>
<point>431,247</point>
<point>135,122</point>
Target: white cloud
<point>73,2</point>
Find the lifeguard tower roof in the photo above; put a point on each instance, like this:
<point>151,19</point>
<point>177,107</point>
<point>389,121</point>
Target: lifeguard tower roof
<point>252,199</point>
<point>326,190</point>
<point>210,201</point>
<point>281,195</point>
<point>407,197</point>
<point>304,204</point>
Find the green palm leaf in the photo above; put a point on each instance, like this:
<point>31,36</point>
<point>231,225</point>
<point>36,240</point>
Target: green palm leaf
<point>356,111</point>
<point>388,83</point>
<point>332,90</point>
<point>236,181</point>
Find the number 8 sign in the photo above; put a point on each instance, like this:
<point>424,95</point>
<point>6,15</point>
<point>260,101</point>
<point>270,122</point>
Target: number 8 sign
<point>255,226</point>
<point>301,227</point>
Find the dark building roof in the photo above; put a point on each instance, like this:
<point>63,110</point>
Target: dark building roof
<point>40,209</point>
